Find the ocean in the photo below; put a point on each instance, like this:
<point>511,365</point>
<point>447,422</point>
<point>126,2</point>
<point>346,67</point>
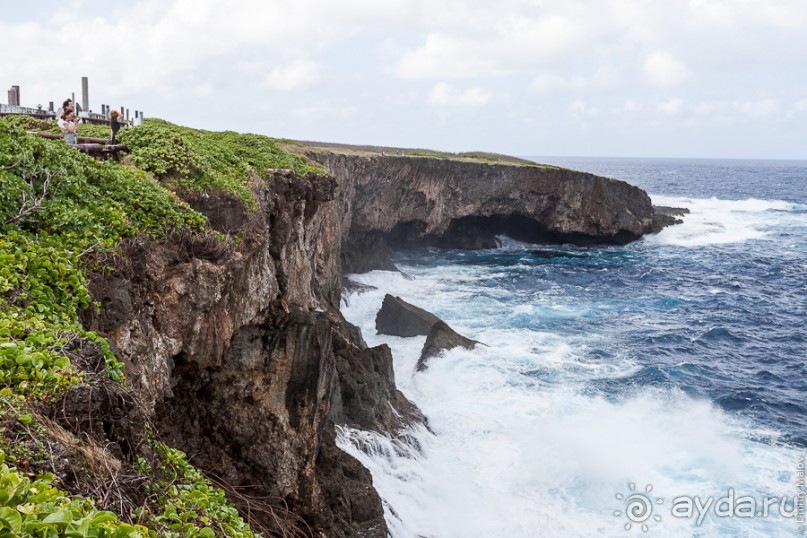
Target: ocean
<point>655,387</point>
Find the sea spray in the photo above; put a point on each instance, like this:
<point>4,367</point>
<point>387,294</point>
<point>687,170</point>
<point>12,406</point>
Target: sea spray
<point>672,363</point>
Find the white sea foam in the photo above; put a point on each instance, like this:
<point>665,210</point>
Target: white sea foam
<point>713,221</point>
<point>521,448</point>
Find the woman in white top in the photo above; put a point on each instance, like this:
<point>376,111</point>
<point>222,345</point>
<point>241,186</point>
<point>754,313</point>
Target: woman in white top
<point>69,125</point>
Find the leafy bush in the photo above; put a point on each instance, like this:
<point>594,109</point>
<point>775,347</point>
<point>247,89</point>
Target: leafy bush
<point>36,508</point>
<point>192,506</point>
<point>56,206</point>
<point>196,160</point>
<point>31,123</point>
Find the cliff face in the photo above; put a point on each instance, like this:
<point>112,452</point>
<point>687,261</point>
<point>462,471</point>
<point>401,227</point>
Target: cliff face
<point>400,201</point>
<point>240,354</point>
<point>237,354</point>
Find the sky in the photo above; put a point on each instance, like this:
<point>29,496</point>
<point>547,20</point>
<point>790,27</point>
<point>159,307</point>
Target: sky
<point>629,78</point>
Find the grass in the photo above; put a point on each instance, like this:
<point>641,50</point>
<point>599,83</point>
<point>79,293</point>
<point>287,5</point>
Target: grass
<point>188,159</point>
<point>365,150</point>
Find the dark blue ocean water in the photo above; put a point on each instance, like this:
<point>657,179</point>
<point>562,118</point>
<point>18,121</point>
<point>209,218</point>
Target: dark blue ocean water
<point>678,360</point>
<point>723,318</point>
<point>727,179</point>
<point>731,319</point>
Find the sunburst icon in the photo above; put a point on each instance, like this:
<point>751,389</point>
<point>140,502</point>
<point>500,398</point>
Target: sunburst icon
<point>638,507</point>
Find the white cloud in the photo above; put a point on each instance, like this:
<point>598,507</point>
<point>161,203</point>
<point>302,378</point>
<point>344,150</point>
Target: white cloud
<point>550,83</point>
<point>325,109</point>
<point>630,106</point>
<point>758,109</point>
<point>799,107</point>
<point>579,109</point>
<point>663,69</point>
<point>443,94</point>
<point>671,107</point>
<point>722,62</point>
<point>293,76</point>
<point>605,78</point>
<point>514,44</point>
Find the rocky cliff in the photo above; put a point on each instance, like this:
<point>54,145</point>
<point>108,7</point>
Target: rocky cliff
<point>243,360</point>
<point>240,354</point>
<point>398,201</point>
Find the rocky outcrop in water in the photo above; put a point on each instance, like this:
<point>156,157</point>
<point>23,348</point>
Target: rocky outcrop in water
<point>399,318</point>
<point>441,338</point>
<point>667,216</point>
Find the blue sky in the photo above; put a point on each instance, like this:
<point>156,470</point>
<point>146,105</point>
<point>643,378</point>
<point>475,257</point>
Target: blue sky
<point>673,78</point>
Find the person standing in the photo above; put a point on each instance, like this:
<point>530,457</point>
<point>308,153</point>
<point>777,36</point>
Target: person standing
<point>67,108</point>
<point>69,125</point>
<point>114,124</point>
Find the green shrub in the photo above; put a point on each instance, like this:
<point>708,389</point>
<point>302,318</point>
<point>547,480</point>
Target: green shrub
<point>196,160</point>
<point>56,207</point>
<point>192,507</point>
<point>38,509</point>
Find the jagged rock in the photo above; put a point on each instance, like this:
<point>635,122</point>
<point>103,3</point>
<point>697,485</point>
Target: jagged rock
<point>226,214</point>
<point>411,201</point>
<point>666,216</point>
<point>365,253</point>
<point>236,357</point>
<point>367,387</point>
<point>442,337</point>
<point>399,318</point>
<point>349,487</point>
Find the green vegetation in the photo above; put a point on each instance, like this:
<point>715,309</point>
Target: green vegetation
<point>195,160</point>
<point>191,507</point>
<point>57,205</point>
<point>427,153</point>
<point>35,508</point>
<point>470,156</point>
<point>30,123</point>
<point>59,211</point>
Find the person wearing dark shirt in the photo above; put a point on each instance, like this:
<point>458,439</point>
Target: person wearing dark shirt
<point>114,123</point>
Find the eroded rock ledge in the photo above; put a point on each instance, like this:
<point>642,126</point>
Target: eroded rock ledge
<point>396,201</point>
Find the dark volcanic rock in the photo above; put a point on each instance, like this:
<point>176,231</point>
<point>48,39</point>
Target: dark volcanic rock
<point>442,337</point>
<point>224,213</point>
<point>236,358</point>
<point>367,387</point>
<point>666,216</point>
<point>411,201</point>
<point>399,318</point>
<point>365,253</point>
<point>348,486</point>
